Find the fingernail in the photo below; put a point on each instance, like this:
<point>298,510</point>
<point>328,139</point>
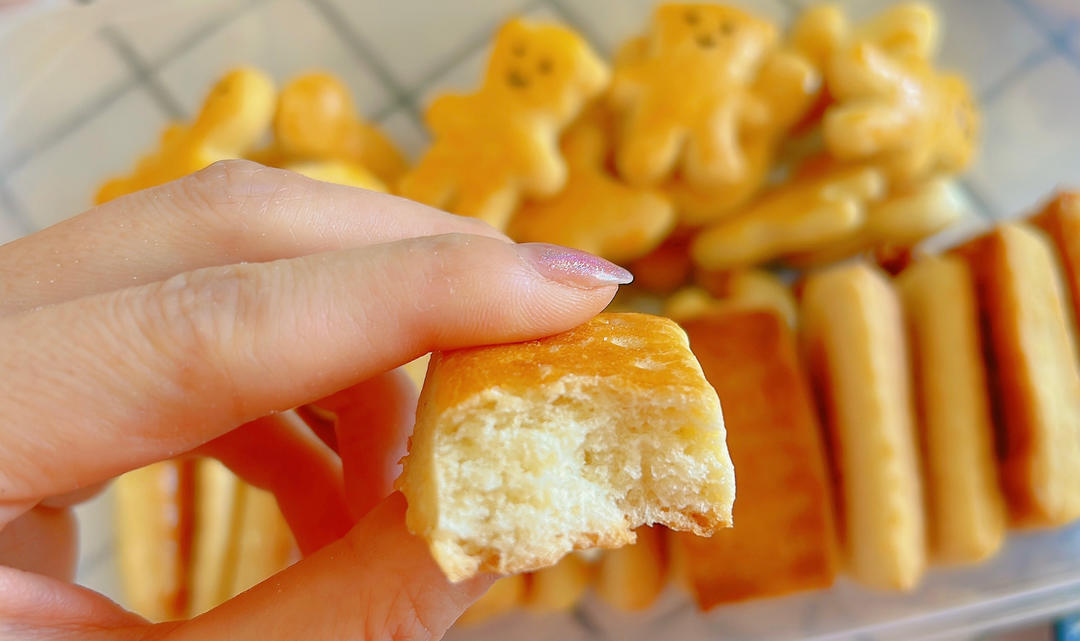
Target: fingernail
<point>572,267</point>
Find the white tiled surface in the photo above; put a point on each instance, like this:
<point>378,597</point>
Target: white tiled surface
<point>155,29</point>
<point>36,185</point>
<point>1024,55</point>
<point>10,229</point>
<point>613,21</point>
<point>1031,144</point>
<point>406,131</point>
<point>393,29</point>
<point>87,72</point>
<point>282,37</point>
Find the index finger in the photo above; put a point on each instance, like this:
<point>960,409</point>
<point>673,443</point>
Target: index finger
<point>231,212</point>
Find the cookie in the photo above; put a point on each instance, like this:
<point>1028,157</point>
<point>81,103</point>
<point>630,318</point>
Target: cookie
<point>559,587</point>
<point>216,504</point>
<point>684,95</point>
<point>153,538</point>
<point>338,171</point>
<point>316,120</point>
<point>632,577</point>
<point>503,596</point>
<point>235,114</point>
<point>896,223</point>
<point>965,509</point>
<point>786,87</point>
<point>899,113</point>
<point>498,145</point>
<point>783,538</point>
<point>1060,219</point>
<point>1034,372</point>
<point>744,289</point>
<point>854,341</point>
<point>806,214</point>
<point>595,212</point>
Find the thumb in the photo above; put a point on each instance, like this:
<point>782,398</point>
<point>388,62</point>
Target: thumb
<point>378,582</point>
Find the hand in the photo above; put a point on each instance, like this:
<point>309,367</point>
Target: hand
<point>156,324</point>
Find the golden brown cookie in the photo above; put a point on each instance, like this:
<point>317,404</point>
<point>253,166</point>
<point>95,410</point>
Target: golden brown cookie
<point>855,345</point>
<point>235,114</point>
<point>498,145</point>
<point>1034,373</point>
<point>1060,219</point>
<point>595,212</point>
<point>783,538</point>
<point>965,509</point>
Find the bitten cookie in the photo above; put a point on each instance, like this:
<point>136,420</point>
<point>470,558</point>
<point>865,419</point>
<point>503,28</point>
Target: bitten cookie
<point>525,452</point>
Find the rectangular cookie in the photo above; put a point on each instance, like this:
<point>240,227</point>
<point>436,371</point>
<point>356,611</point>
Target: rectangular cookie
<point>853,337</point>
<point>1060,219</point>
<point>965,509</point>
<point>783,538</point>
<point>1035,377</point>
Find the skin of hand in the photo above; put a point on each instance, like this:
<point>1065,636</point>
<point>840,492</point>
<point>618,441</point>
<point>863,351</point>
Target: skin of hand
<point>182,319</point>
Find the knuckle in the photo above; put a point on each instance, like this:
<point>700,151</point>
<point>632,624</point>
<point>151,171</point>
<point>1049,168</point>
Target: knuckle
<point>206,319</point>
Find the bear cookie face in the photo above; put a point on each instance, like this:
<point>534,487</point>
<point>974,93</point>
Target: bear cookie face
<point>730,41</point>
<point>544,69</point>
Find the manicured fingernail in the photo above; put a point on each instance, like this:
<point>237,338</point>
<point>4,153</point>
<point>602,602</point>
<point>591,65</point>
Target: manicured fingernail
<point>573,267</point>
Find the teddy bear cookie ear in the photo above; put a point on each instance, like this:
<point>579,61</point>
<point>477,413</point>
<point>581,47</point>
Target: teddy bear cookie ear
<point>236,112</point>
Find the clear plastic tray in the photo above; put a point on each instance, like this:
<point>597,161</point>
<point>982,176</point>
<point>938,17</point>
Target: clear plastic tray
<point>85,87</point>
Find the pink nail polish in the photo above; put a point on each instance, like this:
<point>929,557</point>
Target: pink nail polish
<point>572,267</point>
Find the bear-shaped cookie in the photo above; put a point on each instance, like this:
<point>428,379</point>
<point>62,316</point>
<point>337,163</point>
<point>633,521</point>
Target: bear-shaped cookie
<point>595,212</point>
<point>493,147</point>
<point>683,94</point>
<point>316,119</point>
<point>233,117</point>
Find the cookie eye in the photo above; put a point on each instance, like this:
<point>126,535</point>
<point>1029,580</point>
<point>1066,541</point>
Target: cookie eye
<point>519,49</point>
<point>692,17</point>
<point>727,28</point>
<point>545,66</point>
<point>705,40</point>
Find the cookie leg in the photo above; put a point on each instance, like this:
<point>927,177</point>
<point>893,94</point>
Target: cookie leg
<point>649,149</point>
<point>863,129</point>
<point>713,155</point>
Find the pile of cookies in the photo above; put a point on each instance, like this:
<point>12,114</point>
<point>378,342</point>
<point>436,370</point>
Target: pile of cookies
<point>885,413</point>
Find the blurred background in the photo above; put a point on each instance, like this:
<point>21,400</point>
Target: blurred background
<point>85,87</point>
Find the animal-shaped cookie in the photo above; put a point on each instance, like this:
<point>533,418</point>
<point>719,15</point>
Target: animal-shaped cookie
<point>493,147</point>
<point>235,114</point>
<point>809,213</point>
<point>890,106</point>
<point>786,87</point>
<point>316,119</point>
<point>684,95</point>
<point>899,221</point>
<point>595,212</point>
<point>899,113</point>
